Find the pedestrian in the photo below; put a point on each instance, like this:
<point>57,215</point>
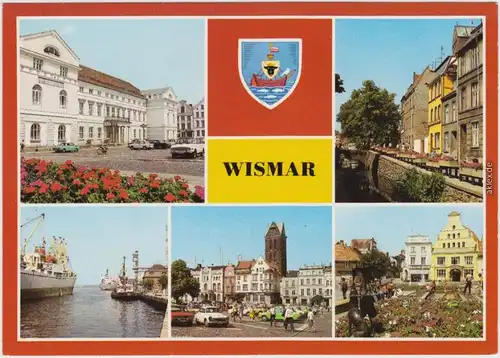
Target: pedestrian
<point>272,313</point>
<point>289,319</point>
<point>310,321</point>
<point>241,311</point>
<point>252,314</point>
<point>22,146</point>
<point>235,312</point>
<point>468,283</point>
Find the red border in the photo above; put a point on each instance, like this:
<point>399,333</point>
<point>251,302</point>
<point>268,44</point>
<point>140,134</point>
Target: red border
<point>11,166</point>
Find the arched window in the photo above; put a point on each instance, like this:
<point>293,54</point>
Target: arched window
<point>214,287</point>
<point>61,133</point>
<point>35,132</point>
<point>51,50</point>
<point>205,286</point>
<point>218,287</point>
<point>63,99</point>
<point>36,94</point>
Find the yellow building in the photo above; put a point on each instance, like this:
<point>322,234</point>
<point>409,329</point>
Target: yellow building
<point>440,86</point>
<point>456,253</point>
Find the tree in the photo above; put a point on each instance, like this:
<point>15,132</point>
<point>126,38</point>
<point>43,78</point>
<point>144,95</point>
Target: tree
<point>370,117</point>
<point>339,84</point>
<point>148,283</point>
<point>182,281</point>
<point>163,281</point>
<point>377,261</point>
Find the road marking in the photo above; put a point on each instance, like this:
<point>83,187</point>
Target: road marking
<point>251,326</point>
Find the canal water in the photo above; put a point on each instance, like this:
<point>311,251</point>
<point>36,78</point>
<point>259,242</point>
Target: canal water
<point>89,313</point>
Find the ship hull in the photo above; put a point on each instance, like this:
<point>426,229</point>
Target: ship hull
<point>34,285</point>
<point>108,286</point>
<point>256,81</point>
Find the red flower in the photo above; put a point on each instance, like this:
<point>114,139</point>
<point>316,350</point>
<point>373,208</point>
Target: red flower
<point>84,191</point>
<point>42,190</point>
<point>185,185</point>
<point>183,193</point>
<point>55,187</point>
<point>153,176</point>
<point>143,190</point>
<point>29,189</point>
<point>177,178</point>
<point>110,196</point>
<point>170,197</point>
<point>77,182</point>
<point>68,162</point>
<point>59,171</point>
<point>123,194</point>
<point>155,184</point>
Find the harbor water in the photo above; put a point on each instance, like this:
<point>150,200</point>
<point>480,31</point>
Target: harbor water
<point>89,313</point>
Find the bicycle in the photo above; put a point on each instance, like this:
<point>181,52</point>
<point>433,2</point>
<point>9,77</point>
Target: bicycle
<point>102,150</point>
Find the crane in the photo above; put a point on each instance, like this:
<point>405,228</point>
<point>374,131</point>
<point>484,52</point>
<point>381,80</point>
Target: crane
<point>39,220</point>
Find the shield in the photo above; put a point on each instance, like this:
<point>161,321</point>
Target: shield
<point>270,69</point>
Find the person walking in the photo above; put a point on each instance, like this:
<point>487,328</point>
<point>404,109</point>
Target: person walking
<point>468,283</point>
<point>343,286</point>
<point>272,312</point>
<point>22,146</point>
<point>289,319</point>
<point>252,314</point>
<point>241,311</point>
<point>235,312</point>
<point>310,321</point>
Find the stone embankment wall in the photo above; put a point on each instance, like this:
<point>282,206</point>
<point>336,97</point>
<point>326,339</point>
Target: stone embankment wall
<point>384,172</point>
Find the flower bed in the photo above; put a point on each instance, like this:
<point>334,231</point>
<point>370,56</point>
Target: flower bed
<point>409,317</point>
<point>49,182</point>
<point>445,161</point>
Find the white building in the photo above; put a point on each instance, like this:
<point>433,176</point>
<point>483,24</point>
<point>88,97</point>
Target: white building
<point>418,258</point>
<point>64,101</point>
<point>162,113</point>
<point>289,287</point>
<point>257,281</point>
<point>299,287</point>
<point>211,279</point>
<point>199,120</point>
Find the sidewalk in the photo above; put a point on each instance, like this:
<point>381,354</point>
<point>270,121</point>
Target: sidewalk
<point>191,179</point>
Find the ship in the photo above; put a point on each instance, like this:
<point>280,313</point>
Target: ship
<point>270,76</point>
<point>108,283</point>
<point>125,288</point>
<point>45,272</point>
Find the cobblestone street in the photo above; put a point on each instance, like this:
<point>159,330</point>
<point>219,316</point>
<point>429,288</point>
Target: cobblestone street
<point>130,161</point>
<point>247,328</point>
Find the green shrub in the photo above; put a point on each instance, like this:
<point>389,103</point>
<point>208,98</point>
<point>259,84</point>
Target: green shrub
<point>421,187</point>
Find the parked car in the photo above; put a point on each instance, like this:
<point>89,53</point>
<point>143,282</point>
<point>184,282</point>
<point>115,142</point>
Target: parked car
<point>66,148</point>
<point>180,316</point>
<point>280,315</point>
<point>143,144</point>
<point>187,150</point>
<point>210,316</point>
<point>160,144</point>
<point>132,142</point>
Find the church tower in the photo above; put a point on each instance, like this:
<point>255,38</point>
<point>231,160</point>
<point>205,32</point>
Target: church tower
<point>276,247</point>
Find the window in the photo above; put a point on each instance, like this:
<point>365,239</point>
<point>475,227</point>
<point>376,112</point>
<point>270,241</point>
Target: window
<point>412,249</point>
<point>302,292</point>
<point>91,91</point>
<point>81,108</point>
<point>99,110</point>
<point>423,261</point>
<point>308,281</point>
<point>475,134</point>
<point>61,133</point>
<point>112,111</point>
<point>63,99</point>
<point>446,114</point>
<point>99,132</point>
<point>423,249</point>
<point>81,132</point>
<point>308,291</point>
<point>474,95</point>
<point>36,94</point>
<point>440,260</point>
<point>469,272</point>
<point>463,99</point>
<point>446,143</point>
<point>441,273</point>
<point>437,140</point>
<point>432,115</point>
<point>51,50</point>
<point>135,133</point>
<point>98,93</point>
<point>63,71</point>
<point>107,111</point>
<point>453,111</point>
<point>91,108</point>
<point>37,64</point>
<point>80,89</point>
<point>412,260</point>
<point>91,132</point>
<point>314,292</point>
<point>469,260</point>
<point>455,260</point>
<point>35,132</point>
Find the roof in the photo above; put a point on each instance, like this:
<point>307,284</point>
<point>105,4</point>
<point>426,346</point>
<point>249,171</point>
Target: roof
<point>244,265</point>
<point>463,31</point>
<point>475,34</point>
<point>454,213</point>
<point>363,243</point>
<point>56,34</point>
<point>292,273</point>
<point>280,226</point>
<point>441,70</point>
<point>89,75</point>
<point>345,253</point>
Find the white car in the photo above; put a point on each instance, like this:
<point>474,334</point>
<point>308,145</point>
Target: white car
<point>210,316</point>
<point>143,144</point>
<point>187,150</point>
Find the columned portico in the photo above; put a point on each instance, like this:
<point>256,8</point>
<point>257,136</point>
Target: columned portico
<point>116,130</point>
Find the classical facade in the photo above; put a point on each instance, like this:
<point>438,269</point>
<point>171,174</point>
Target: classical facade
<point>62,100</point>
<point>289,288</point>
<point>418,257</point>
<point>162,113</point>
<point>440,86</point>
<point>257,281</point>
<point>211,279</point>
<point>470,56</point>
<point>314,281</point>
<point>414,104</point>
<point>154,274</point>
<point>456,253</point>
<point>199,120</point>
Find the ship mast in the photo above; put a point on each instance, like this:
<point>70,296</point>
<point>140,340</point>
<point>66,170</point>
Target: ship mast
<point>40,219</point>
<point>124,269</point>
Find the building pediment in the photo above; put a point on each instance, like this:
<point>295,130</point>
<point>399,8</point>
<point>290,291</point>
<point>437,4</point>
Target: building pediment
<point>49,45</point>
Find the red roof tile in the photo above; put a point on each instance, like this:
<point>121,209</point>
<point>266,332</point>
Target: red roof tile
<point>89,75</point>
<point>346,253</point>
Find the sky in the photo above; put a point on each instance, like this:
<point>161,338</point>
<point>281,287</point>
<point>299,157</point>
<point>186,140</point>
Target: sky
<point>201,232</point>
<point>99,236</point>
<point>388,51</point>
<point>151,53</point>
<point>390,225</point>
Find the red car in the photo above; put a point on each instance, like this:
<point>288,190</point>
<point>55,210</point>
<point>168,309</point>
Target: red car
<point>180,316</point>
